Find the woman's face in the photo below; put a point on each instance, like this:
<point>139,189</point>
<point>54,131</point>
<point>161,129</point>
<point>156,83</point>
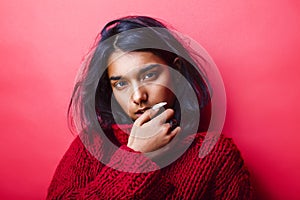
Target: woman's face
<point>140,80</point>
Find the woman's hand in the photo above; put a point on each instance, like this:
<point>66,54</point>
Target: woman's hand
<point>149,134</point>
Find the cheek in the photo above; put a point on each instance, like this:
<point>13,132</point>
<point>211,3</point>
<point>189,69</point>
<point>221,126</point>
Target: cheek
<point>161,93</point>
<point>167,87</point>
<point>122,99</point>
<point>167,80</point>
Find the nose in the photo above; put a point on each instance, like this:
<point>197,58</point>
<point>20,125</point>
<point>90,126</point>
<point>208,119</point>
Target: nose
<point>139,95</point>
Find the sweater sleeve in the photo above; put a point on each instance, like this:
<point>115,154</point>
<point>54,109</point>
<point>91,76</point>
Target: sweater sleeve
<point>80,176</point>
<point>232,177</point>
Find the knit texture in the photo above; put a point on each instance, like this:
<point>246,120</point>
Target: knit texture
<point>221,174</point>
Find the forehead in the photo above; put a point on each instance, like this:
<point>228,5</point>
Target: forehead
<point>120,63</point>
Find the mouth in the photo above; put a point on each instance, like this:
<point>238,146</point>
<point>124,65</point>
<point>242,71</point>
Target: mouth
<point>139,112</point>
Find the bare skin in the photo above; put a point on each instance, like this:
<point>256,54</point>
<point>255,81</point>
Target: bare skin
<point>148,135</point>
<point>140,80</point>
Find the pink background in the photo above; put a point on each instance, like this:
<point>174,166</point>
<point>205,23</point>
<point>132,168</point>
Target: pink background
<point>255,44</point>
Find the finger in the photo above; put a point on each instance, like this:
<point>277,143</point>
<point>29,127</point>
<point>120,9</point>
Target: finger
<point>146,116</point>
<point>166,128</point>
<point>175,132</point>
<point>171,140</point>
<point>164,116</point>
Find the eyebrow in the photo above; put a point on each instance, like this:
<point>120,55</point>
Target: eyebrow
<point>115,78</point>
<point>143,70</point>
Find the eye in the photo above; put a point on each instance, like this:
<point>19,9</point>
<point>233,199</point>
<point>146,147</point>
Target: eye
<point>150,75</point>
<point>120,84</point>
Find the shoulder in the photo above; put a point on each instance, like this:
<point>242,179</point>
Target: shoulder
<point>222,152</point>
<point>229,168</point>
<point>214,143</point>
<point>75,151</point>
<point>75,146</point>
<point>218,151</point>
<point>80,150</point>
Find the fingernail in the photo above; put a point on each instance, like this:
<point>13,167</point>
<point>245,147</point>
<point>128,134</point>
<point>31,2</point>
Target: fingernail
<point>159,105</point>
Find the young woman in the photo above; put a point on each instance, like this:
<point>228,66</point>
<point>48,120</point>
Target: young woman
<point>136,106</point>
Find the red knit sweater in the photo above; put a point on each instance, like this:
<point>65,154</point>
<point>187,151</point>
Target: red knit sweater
<point>219,175</point>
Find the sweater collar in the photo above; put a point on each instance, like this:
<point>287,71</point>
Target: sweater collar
<point>122,132</point>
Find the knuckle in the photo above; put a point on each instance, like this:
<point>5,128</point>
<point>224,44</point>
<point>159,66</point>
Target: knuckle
<point>138,122</point>
<point>170,111</point>
<point>166,127</point>
<point>148,112</point>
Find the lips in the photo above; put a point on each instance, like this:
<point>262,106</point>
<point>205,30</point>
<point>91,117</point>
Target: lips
<point>139,112</point>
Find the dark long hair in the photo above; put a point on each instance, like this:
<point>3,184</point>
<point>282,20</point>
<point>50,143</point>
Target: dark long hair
<point>92,98</point>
